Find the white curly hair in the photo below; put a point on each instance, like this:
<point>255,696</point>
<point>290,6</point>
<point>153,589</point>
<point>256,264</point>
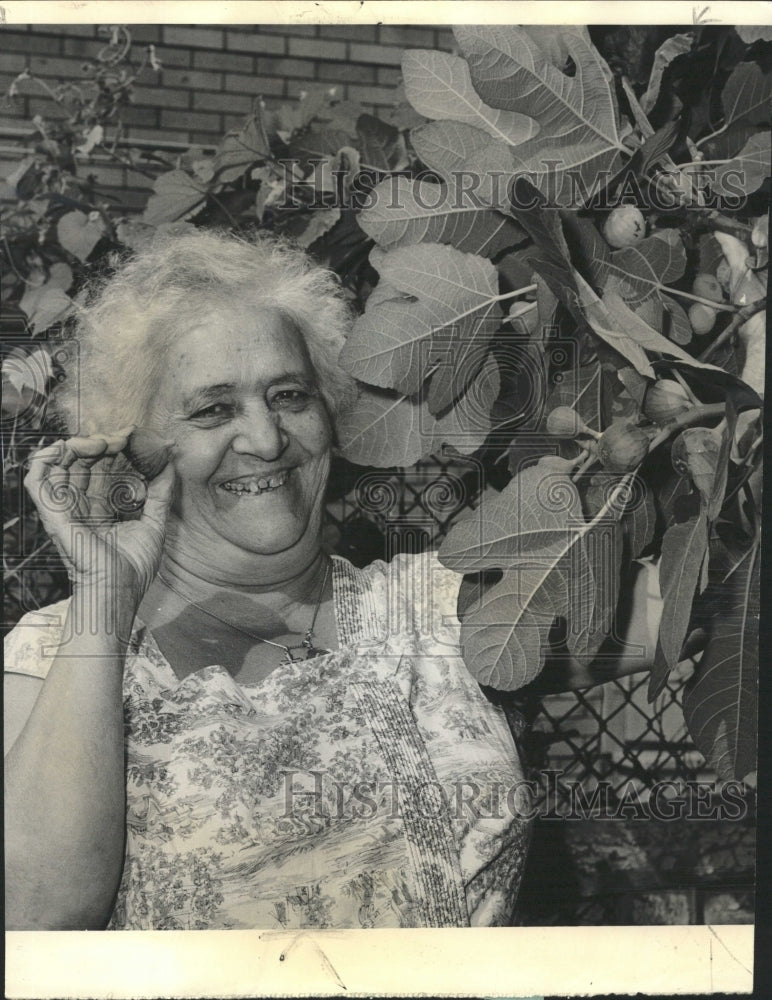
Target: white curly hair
<point>127,321</point>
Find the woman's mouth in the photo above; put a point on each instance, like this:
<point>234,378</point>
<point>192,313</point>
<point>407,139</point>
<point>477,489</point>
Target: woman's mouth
<point>255,485</point>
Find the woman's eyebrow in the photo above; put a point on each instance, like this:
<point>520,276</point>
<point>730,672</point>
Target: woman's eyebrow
<point>205,393</point>
<point>302,377</point>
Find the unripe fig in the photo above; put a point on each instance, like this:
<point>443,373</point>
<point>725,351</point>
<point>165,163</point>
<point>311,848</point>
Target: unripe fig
<point>624,226</point>
<point>148,452</point>
<point>708,286</point>
<point>695,453</point>
<point>665,400</point>
<point>702,318</point>
<point>564,422</point>
<point>622,446</point>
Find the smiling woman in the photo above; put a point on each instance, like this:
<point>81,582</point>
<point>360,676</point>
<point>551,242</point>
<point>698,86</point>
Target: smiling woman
<point>225,727</point>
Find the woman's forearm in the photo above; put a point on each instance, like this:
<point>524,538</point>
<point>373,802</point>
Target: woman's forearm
<point>64,779</point>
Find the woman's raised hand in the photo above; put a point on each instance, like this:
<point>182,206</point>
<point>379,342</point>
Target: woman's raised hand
<point>79,486</point>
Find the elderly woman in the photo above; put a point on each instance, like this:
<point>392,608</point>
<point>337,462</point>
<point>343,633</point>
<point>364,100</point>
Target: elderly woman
<point>224,726</point>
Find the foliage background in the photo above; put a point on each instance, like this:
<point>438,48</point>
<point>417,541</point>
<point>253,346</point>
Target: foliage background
<point>649,109</point>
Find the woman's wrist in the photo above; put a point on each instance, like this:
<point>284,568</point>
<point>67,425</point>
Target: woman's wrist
<point>104,607</point>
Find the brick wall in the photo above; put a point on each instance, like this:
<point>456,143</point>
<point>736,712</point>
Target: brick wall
<point>211,74</point>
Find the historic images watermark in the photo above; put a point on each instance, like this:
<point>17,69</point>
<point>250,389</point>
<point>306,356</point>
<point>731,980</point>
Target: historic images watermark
<point>314,796</point>
<point>720,187</point>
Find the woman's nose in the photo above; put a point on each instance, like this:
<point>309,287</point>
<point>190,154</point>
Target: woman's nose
<point>260,433</point>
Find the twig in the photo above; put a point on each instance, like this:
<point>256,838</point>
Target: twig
<point>586,463</point>
<point>717,306</point>
<point>685,386</point>
<point>692,416</point>
<point>126,161</point>
<point>707,138</point>
<point>742,315</point>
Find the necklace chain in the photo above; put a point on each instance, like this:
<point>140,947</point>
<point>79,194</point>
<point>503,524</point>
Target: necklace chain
<point>308,638</point>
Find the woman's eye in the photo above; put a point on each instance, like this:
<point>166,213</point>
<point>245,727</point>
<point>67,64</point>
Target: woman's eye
<point>291,399</point>
<point>212,412</point>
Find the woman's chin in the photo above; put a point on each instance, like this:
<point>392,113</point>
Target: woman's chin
<point>253,528</point>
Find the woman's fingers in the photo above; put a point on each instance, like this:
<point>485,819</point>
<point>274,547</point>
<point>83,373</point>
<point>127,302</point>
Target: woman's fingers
<point>60,474</point>
<point>93,448</point>
<point>88,449</point>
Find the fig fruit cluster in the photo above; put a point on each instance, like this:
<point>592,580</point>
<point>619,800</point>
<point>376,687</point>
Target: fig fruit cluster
<point>621,447</point>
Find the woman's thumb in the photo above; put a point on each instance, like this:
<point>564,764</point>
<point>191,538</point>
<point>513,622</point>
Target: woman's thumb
<point>159,496</point>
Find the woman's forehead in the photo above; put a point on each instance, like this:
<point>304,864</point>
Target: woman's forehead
<point>237,340</point>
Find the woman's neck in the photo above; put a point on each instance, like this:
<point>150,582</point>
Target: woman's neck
<point>264,594</point>
<point>290,582</point>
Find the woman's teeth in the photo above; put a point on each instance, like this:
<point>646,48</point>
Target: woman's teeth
<point>255,485</point>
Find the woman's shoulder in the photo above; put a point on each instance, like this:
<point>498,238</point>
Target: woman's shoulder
<point>409,593</point>
<point>30,646</point>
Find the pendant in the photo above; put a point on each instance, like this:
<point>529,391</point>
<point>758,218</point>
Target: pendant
<point>313,651</point>
<point>309,653</point>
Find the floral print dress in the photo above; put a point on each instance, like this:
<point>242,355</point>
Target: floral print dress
<point>373,786</point>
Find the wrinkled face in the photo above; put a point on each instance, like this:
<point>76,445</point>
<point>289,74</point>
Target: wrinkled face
<point>252,436</point>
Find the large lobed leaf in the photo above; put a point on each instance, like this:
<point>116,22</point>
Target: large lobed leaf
<point>444,322</point>
<point>518,523</point>
<point>386,428</point>
<point>382,145</point>
<point>746,96</point>
<point>240,149</point>
<point>535,532</point>
<point>176,196</point>
<point>639,271</point>
<point>721,699</point>
<point>470,161</point>
<point>746,171</point>
<point>438,86</point>
<point>577,116</point>
<point>638,333</point>
<point>416,211</point>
